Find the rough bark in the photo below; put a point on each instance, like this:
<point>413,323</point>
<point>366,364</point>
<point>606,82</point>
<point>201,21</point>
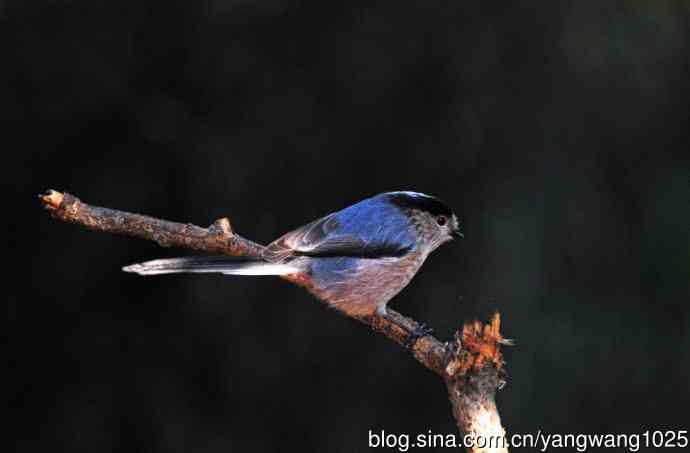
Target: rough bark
<point>471,365</point>
<point>474,371</point>
<point>217,238</point>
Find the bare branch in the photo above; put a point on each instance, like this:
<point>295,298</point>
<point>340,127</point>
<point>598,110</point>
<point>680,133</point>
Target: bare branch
<point>472,366</point>
<point>428,351</point>
<point>218,238</point>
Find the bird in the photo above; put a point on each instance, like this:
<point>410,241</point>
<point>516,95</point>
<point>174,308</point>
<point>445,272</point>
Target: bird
<point>355,260</point>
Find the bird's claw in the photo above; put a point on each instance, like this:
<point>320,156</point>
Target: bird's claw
<point>422,330</point>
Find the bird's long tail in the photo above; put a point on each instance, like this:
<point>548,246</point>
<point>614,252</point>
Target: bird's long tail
<point>210,264</point>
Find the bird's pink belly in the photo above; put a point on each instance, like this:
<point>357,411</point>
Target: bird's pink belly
<point>362,291</point>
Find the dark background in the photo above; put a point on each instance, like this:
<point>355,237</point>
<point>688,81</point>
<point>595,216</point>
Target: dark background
<point>558,132</point>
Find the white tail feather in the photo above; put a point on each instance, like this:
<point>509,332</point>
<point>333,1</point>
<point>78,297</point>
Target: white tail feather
<point>220,265</point>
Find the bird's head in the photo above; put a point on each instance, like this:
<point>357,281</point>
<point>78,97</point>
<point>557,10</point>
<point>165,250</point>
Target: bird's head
<point>435,221</point>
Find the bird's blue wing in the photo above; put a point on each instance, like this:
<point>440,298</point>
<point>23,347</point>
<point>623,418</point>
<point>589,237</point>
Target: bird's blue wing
<point>367,229</point>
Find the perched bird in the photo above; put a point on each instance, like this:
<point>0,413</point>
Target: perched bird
<point>356,259</point>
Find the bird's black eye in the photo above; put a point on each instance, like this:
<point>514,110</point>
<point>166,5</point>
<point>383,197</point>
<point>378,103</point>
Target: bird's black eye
<point>441,220</point>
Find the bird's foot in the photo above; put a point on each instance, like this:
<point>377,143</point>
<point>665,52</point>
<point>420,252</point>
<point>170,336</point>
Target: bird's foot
<point>422,330</point>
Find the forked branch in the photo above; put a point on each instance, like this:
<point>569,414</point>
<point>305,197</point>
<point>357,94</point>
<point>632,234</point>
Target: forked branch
<point>471,365</point>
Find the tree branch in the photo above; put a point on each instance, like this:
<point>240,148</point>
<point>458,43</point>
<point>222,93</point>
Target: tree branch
<point>471,366</point>
<point>218,238</point>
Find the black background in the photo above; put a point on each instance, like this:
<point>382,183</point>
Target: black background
<point>558,132</point>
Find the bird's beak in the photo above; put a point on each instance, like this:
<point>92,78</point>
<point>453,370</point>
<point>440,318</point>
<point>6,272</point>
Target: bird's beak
<point>456,233</point>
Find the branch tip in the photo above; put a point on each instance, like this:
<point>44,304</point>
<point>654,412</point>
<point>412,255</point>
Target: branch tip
<point>51,199</point>
<point>476,347</point>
